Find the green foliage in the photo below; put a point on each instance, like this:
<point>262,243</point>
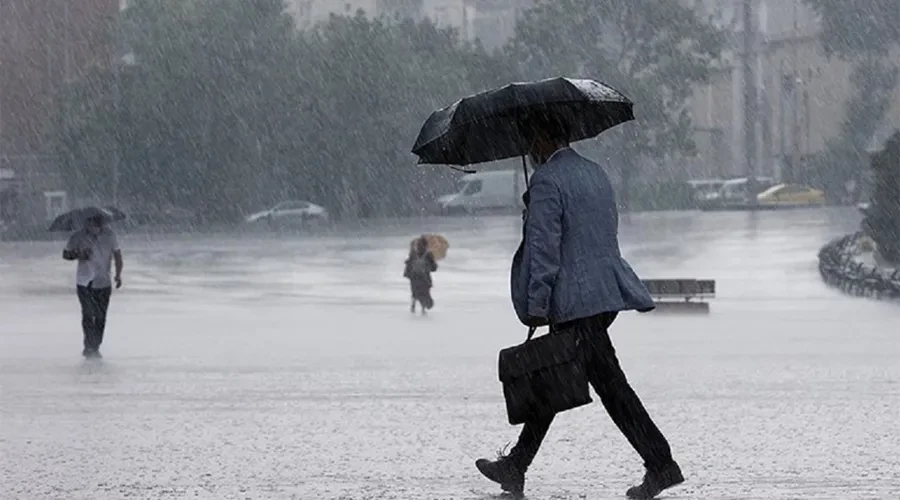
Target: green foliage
<point>229,109</point>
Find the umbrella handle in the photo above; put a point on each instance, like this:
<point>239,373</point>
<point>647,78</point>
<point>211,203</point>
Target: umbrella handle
<point>525,171</point>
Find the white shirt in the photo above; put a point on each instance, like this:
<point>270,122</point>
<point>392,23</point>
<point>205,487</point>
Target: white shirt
<point>94,271</point>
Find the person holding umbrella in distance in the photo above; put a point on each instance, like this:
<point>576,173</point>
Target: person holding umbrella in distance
<point>94,246</point>
<point>424,252</point>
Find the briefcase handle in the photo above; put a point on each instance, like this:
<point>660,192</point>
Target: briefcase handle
<point>531,330</point>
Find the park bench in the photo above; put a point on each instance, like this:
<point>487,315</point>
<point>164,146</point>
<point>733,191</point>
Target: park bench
<point>680,289</point>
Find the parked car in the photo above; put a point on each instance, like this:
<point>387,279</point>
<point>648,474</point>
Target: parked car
<point>733,193</point>
<point>294,212</point>
<point>791,195</point>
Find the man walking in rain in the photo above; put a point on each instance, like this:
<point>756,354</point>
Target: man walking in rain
<point>94,247</point>
<point>572,276</point>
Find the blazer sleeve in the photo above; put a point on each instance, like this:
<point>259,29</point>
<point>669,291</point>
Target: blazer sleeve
<point>543,235</point>
<point>73,242</point>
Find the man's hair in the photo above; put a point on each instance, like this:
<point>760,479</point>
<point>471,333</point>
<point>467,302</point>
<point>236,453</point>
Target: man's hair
<point>543,124</point>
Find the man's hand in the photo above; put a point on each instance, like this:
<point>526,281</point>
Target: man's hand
<point>77,254</point>
<point>117,258</point>
<point>536,322</point>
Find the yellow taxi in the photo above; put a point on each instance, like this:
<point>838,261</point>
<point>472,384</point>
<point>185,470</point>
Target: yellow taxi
<point>791,195</point>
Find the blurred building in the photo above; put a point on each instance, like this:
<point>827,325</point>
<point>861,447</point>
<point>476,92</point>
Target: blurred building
<point>307,13</point>
<point>43,44</point>
<point>493,22</point>
<point>801,93</point>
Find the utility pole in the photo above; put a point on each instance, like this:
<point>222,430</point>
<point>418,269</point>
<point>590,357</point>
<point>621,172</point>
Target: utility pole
<point>750,105</point>
<point>67,54</point>
<point>117,98</point>
<point>795,104</point>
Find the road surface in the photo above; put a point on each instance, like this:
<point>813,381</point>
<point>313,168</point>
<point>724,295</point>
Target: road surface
<point>290,367</point>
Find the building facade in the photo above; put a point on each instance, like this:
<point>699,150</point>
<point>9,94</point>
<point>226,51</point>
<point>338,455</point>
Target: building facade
<point>801,93</point>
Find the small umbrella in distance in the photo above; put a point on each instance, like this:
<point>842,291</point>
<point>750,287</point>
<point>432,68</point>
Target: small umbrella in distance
<point>75,219</point>
<point>437,245</point>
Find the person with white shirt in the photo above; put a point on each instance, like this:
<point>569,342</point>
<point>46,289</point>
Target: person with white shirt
<point>94,247</point>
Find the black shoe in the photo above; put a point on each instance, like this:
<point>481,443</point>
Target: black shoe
<point>504,472</point>
<point>656,481</point>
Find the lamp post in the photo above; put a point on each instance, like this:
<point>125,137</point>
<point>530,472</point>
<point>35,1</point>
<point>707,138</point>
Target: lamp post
<point>750,97</point>
<point>118,60</point>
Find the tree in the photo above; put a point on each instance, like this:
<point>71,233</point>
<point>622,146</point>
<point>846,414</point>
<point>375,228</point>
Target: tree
<point>383,79</point>
<point>654,52</point>
<point>194,124</point>
<point>865,34</point>
<point>229,109</point>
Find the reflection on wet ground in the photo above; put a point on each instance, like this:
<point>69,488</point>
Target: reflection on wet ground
<point>289,367</point>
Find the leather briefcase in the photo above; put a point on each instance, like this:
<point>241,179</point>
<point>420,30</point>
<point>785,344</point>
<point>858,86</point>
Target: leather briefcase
<point>544,375</point>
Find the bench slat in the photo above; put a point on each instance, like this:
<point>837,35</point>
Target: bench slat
<point>683,288</point>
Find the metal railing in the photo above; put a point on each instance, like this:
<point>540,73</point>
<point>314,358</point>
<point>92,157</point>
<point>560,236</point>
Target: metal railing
<point>839,269</point>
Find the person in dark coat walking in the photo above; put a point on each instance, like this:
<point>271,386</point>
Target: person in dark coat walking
<point>569,273</point>
<point>418,269</point>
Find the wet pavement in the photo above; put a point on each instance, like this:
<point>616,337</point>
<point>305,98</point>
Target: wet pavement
<point>289,367</point>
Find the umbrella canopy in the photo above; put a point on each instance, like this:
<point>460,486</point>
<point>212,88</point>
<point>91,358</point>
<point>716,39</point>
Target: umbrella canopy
<point>74,220</point>
<point>486,126</point>
<point>437,245</point>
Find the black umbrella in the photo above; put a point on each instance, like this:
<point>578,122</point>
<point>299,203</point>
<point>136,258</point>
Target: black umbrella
<point>485,127</point>
<point>75,219</point>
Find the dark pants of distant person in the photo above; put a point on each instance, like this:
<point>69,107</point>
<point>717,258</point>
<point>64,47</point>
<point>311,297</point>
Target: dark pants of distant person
<point>622,404</point>
<point>94,303</point>
<point>420,289</point>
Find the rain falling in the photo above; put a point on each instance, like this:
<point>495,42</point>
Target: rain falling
<point>371,249</point>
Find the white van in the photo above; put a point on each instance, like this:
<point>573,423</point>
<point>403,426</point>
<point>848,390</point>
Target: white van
<point>732,193</point>
<point>736,190</point>
<point>486,191</point>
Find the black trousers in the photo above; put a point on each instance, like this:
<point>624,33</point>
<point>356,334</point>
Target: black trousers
<point>94,303</point>
<point>623,405</point>
<point>421,292</point>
